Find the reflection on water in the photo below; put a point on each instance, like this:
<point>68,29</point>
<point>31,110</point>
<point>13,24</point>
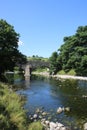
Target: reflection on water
<point>50,94</point>
<point>27,81</point>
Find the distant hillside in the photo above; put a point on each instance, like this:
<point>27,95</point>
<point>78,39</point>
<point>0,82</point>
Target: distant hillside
<point>36,58</point>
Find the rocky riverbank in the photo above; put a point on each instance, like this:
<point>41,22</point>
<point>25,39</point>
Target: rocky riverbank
<point>48,124</point>
<point>45,119</point>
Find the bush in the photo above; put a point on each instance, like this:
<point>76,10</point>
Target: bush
<point>71,72</point>
<point>62,72</point>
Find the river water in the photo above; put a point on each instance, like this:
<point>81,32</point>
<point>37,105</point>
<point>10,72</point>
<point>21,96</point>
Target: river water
<point>49,94</point>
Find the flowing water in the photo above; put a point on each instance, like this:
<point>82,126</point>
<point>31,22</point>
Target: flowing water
<point>47,94</point>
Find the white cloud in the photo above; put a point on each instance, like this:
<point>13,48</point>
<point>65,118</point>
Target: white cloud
<point>20,43</point>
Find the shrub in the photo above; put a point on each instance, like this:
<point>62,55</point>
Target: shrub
<point>36,126</point>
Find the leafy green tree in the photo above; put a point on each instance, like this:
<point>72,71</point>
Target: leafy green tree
<point>54,63</point>
<point>9,53</point>
<point>73,52</point>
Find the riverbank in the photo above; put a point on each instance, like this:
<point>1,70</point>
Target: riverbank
<point>60,76</point>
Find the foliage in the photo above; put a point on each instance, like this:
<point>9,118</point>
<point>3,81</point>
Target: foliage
<point>54,63</point>
<point>61,72</point>
<point>12,115</point>
<point>36,126</point>
<point>41,70</point>
<point>71,72</point>
<point>73,53</point>
<point>9,53</point>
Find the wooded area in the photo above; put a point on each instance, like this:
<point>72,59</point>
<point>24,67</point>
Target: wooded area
<point>72,54</point>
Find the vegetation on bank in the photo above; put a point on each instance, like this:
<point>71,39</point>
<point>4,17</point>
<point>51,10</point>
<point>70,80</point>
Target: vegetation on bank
<point>71,72</point>
<point>41,70</point>
<point>70,59</point>
<point>10,56</point>
<point>36,126</point>
<point>12,114</point>
<point>72,55</point>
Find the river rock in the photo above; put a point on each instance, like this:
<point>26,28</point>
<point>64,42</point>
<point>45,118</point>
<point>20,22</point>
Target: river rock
<point>35,116</point>
<point>53,125</point>
<point>47,122</point>
<point>67,109</point>
<point>37,110</point>
<point>57,128</point>
<point>85,126</point>
<point>59,110</point>
<point>40,117</point>
<point>43,120</point>
<point>59,124</point>
<point>44,113</point>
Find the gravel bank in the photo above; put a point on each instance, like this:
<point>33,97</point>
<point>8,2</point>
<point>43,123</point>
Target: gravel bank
<point>60,76</point>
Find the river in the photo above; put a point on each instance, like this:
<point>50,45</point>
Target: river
<point>48,94</point>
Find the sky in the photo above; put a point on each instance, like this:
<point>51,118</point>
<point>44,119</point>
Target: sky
<point>42,24</point>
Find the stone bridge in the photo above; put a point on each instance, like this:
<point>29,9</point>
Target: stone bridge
<point>31,65</point>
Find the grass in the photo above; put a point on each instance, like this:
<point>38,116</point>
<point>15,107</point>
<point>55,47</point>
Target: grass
<point>71,72</point>
<point>40,70</point>
<point>61,72</point>
<point>36,126</point>
<point>12,114</point>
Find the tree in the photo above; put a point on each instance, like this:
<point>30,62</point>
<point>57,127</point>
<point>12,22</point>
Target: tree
<point>73,52</point>
<point>9,53</point>
<point>54,63</point>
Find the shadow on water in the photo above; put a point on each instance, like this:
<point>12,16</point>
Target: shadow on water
<point>73,94</point>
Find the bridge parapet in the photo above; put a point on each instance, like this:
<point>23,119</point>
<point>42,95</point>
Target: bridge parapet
<point>37,63</point>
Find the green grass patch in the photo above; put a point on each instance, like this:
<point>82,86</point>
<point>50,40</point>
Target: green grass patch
<point>62,72</point>
<point>36,126</point>
<point>71,72</point>
<point>40,70</point>
<point>12,114</point>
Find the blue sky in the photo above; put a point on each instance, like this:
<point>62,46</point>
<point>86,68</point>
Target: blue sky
<point>42,24</point>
